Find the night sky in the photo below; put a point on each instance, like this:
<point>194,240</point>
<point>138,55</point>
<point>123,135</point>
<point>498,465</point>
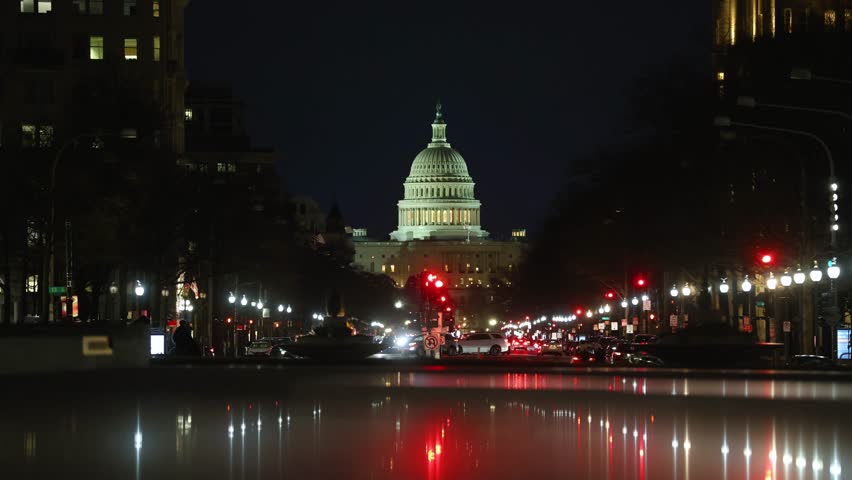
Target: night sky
<point>345,91</point>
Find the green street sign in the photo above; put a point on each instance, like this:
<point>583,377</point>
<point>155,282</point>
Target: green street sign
<point>57,290</point>
<point>604,318</point>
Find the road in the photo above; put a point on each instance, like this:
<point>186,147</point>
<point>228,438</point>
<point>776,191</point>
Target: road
<point>389,419</point>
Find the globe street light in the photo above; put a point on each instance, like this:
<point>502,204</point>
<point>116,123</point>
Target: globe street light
<point>724,287</point>
<point>259,305</point>
<point>771,282</point>
<point>589,314</point>
<point>786,279</point>
<point>606,308</point>
<point>816,273</point>
<point>624,304</point>
<point>289,309</point>
<point>634,301</point>
<point>398,304</point>
<point>686,290</point>
<point>799,276</point>
<point>746,286</point>
<point>492,322</point>
<point>139,290</point>
<point>253,303</point>
<point>645,297</point>
<point>280,308</point>
<point>833,269</point>
<point>231,298</point>
<point>600,310</point>
<point>244,300</point>
<point>673,291</point>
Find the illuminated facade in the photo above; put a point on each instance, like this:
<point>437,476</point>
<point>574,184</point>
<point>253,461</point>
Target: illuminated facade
<point>748,20</point>
<point>439,230</point>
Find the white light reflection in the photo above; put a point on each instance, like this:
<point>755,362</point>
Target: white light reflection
<point>787,459</point>
<point>230,431</point>
<point>687,445</point>
<point>725,450</point>
<point>137,440</point>
<point>801,462</point>
<point>816,465</point>
<point>834,469</point>
<point>747,452</point>
<point>675,443</point>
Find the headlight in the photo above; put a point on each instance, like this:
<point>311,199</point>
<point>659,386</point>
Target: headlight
<point>401,342</point>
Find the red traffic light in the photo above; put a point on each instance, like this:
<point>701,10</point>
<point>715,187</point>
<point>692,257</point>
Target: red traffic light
<point>449,309</point>
<point>640,282</point>
<point>610,295</point>
<point>652,316</point>
<point>443,298</point>
<point>439,283</point>
<point>767,258</point>
<point>431,277</point>
<point>228,320</point>
<point>579,311</point>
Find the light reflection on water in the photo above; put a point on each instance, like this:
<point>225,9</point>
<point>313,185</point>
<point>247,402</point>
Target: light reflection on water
<point>314,431</point>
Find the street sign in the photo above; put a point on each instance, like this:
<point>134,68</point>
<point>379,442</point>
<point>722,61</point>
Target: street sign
<point>57,290</point>
<point>614,327</point>
<point>788,327</point>
<point>604,318</point>
<point>646,305</point>
<point>431,342</point>
<point>595,327</point>
<point>672,320</point>
<point>623,322</point>
<point>601,326</point>
<point>629,329</point>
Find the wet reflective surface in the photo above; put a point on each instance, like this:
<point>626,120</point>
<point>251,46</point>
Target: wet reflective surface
<point>432,424</point>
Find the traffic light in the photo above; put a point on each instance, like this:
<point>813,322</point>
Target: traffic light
<point>579,311</point>
<point>228,320</point>
<point>767,258</point>
<point>439,283</point>
<point>610,295</point>
<point>443,298</point>
<point>640,282</point>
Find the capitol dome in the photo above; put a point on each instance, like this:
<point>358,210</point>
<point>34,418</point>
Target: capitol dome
<point>439,201</point>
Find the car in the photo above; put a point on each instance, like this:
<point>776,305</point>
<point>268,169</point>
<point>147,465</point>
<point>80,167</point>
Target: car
<point>644,338</point>
<point>278,341</point>
<point>810,362</point>
<point>588,354</point>
<point>415,346</point>
<point>553,347</point>
<point>619,353</point>
<point>521,346</point>
<point>263,348</point>
<point>491,343</point>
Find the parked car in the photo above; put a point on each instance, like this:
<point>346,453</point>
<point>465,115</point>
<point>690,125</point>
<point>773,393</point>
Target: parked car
<point>644,338</point>
<point>263,348</point>
<point>491,343</point>
<point>415,345</point>
<point>810,362</point>
<point>553,347</point>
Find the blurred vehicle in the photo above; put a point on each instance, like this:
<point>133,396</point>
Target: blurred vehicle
<point>619,353</point>
<point>641,358</point>
<point>523,346</point>
<point>588,354</point>
<point>414,345</point>
<point>644,338</point>
<point>491,343</point>
<point>810,362</point>
<point>553,347</point>
<point>278,341</point>
<point>263,348</point>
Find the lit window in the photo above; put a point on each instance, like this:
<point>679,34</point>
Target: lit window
<point>156,7</point>
<point>131,49</point>
<point>128,133</point>
<point>156,49</point>
<point>187,114</point>
<point>96,48</point>
<point>788,20</point>
<point>830,19</point>
<point>28,136</point>
<point>720,76</point>
<point>393,268</point>
<point>221,167</point>
<point>232,167</point>
<point>45,136</point>
<point>36,6</point>
<point>129,7</point>
<point>32,284</point>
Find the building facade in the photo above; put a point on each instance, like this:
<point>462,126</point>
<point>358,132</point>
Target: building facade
<point>76,71</point>
<point>439,230</point>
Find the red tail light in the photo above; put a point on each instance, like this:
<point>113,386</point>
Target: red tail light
<point>575,359</point>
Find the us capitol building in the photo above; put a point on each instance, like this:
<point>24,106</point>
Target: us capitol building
<point>440,230</point>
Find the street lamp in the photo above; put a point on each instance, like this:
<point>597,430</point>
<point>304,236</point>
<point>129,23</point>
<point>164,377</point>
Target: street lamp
<point>624,304</point>
<point>289,309</point>
<point>634,301</point>
<point>686,290</point>
<point>244,300</point>
<point>231,297</point>
<point>600,310</point>
<point>673,291</point>
<point>492,322</point>
<point>398,304</point>
<point>259,305</point>
<point>799,276</point>
<point>833,269</point>
<point>606,308</point>
<point>113,288</point>
<point>786,279</point>
<point>645,297</point>
<point>724,287</point>
<point>746,286</point>
<point>139,290</point>
<point>816,273</point>
<point>280,308</point>
<point>771,282</point>
<point>589,314</point>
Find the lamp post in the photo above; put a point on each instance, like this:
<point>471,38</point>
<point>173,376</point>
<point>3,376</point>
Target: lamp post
<point>139,290</point>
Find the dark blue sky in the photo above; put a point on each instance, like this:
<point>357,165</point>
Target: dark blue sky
<point>345,91</point>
